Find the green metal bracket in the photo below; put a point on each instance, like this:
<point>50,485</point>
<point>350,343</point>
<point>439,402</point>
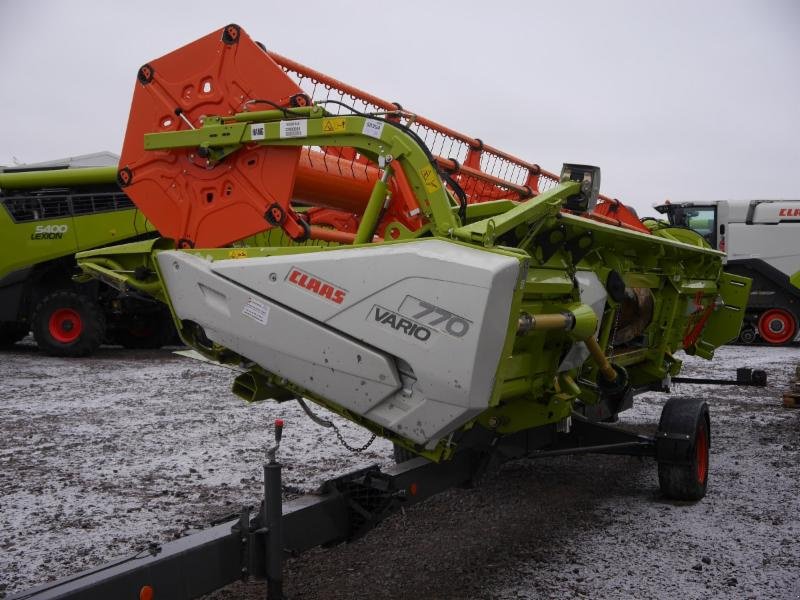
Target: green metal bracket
<point>374,138</point>
<point>726,319</point>
<point>547,204</point>
<point>128,266</point>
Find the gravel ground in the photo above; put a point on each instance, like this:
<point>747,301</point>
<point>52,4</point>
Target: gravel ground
<point>100,456</point>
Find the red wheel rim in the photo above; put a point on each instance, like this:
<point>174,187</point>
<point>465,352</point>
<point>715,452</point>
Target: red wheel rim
<point>701,450</point>
<point>776,326</point>
<point>65,325</point>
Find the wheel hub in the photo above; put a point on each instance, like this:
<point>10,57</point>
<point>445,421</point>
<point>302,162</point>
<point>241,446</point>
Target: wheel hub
<point>65,325</point>
<point>777,326</point>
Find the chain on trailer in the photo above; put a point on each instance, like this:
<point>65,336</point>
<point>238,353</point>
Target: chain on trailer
<point>330,424</point>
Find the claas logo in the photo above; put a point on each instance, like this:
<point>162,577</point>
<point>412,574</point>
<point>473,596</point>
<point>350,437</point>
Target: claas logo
<point>317,286</point>
<point>789,212</point>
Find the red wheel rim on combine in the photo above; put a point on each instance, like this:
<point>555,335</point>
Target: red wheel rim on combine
<point>65,325</point>
<point>777,326</point>
<point>701,450</point>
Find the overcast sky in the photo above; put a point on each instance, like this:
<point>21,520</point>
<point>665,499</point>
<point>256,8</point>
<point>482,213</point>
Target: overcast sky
<point>680,100</point>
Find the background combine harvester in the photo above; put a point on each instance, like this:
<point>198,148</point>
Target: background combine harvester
<point>48,212</point>
<point>470,309</point>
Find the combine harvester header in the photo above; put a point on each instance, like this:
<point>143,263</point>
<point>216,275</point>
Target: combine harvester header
<point>465,304</point>
<point>449,294</point>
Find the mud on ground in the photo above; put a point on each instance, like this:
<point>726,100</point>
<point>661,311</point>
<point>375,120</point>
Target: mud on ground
<point>100,456</point>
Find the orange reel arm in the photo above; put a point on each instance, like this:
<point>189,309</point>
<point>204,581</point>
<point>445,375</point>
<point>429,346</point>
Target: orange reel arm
<point>178,191</point>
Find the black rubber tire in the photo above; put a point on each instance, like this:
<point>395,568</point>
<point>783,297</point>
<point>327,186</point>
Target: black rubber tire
<point>747,335</point>
<point>149,331</point>
<point>11,332</point>
<point>683,449</point>
<point>92,324</point>
<point>759,377</point>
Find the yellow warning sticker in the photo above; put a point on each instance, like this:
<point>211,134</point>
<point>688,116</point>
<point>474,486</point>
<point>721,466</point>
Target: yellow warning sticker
<point>238,253</point>
<point>333,125</point>
<point>430,178</point>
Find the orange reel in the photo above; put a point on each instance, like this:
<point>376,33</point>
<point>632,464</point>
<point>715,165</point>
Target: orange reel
<point>186,197</point>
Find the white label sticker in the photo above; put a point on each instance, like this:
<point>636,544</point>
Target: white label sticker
<point>373,128</point>
<point>256,310</point>
<point>294,129</point>
<point>257,131</point>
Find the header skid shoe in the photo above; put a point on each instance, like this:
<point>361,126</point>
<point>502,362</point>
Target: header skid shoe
<point>188,197</point>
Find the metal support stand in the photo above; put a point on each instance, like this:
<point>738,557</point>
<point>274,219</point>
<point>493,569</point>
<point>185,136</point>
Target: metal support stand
<point>272,519</point>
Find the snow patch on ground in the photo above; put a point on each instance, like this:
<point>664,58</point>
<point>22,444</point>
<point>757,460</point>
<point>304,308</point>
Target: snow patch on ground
<point>100,456</point>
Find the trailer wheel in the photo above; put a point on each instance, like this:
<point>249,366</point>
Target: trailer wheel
<point>67,323</point>
<point>683,442</point>
<point>12,332</point>
<point>777,326</point>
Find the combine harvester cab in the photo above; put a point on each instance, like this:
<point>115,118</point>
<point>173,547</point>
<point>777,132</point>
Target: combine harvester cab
<point>433,300</point>
<point>467,305</point>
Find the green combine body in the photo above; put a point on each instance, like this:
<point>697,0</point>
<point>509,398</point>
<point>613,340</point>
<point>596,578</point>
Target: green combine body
<point>46,216</point>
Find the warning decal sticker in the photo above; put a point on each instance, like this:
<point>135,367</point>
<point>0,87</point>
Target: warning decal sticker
<point>333,125</point>
<point>256,310</point>
<point>430,178</point>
